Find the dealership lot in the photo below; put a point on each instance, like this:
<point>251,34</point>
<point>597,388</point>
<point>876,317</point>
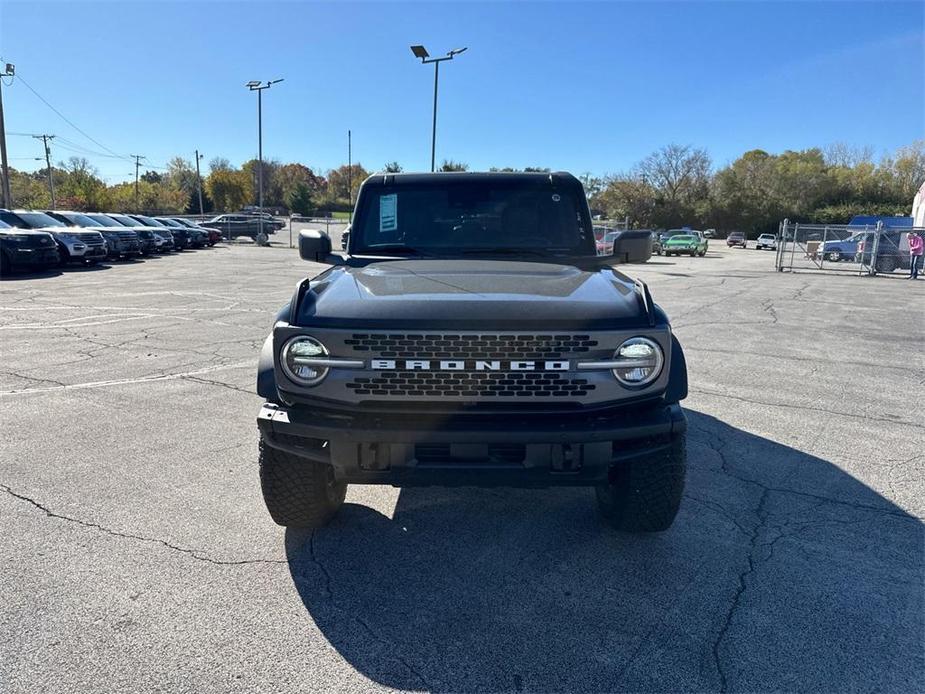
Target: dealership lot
<point>138,554</point>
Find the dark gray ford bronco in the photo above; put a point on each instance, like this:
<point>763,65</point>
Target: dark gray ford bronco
<point>470,335</point>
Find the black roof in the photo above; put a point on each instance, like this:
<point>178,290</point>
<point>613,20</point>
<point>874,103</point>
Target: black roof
<point>442,177</point>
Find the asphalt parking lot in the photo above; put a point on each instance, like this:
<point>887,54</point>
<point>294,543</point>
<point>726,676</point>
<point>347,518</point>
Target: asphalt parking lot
<point>138,555</point>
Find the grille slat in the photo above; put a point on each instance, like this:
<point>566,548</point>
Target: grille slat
<point>473,384</point>
<point>412,346</point>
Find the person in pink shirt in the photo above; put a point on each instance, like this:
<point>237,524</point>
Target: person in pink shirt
<point>916,246</point>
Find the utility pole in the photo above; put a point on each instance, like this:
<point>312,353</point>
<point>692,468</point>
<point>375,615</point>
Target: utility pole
<point>138,159</point>
<point>51,180</point>
<point>8,71</point>
<point>258,86</point>
<point>421,52</point>
<point>199,181</point>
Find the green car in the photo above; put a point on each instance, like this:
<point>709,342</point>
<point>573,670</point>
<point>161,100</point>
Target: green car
<point>692,244</point>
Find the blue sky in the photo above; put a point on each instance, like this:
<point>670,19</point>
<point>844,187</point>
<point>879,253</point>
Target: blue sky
<point>574,86</point>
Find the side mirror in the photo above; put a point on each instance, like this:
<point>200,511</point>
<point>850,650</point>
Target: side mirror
<point>632,247</point>
<point>314,246</point>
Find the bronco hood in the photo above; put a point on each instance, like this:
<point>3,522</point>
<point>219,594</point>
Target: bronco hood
<point>473,295</point>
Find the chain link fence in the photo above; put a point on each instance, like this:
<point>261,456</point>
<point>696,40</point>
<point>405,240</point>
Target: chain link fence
<point>858,250</point>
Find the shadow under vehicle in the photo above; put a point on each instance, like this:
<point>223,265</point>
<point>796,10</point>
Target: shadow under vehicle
<point>781,573</point>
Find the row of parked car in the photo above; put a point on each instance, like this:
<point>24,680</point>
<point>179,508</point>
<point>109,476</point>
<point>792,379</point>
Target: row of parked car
<point>40,239</point>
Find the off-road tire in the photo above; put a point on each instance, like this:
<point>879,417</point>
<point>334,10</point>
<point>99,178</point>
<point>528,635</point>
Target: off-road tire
<point>299,493</point>
<point>644,495</point>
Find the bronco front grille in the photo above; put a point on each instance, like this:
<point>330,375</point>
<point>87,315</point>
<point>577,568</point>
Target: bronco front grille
<point>472,384</point>
<point>422,346</point>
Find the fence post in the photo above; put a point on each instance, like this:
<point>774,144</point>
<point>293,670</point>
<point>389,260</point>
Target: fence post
<point>781,241</point>
<point>290,231</point>
<point>793,246</point>
<point>825,237</point>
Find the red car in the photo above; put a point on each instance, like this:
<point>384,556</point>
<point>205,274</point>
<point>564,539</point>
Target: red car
<point>736,238</point>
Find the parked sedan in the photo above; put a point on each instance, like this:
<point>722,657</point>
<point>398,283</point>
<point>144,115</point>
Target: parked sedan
<point>73,246</point>
<point>690,244</point>
<point>736,238</point>
<point>768,241</point>
<point>235,225</point>
<point>25,248</point>
<point>198,237</point>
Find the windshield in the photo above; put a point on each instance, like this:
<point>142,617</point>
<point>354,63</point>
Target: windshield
<point>103,220</point>
<point>472,216</point>
<point>610,236</point>
<point>37,220</point>
<point>684,237</point>
<point>81,220</point>
<point>149,221</point>
<point>168,222</point>
<point>4,225</point>
<point>127,221</point>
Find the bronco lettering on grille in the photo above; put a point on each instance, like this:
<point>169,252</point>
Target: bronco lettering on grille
<point>468,365</point>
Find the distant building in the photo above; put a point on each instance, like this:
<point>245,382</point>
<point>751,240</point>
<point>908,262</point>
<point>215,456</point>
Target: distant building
<point>918,208</point>
<point>864,220</point>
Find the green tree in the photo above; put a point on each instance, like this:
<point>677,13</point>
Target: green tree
<point>230,190</point>
<point>450,165</point>
<point>337,191</point>
<point>392,167</point>
<point>299,199</point>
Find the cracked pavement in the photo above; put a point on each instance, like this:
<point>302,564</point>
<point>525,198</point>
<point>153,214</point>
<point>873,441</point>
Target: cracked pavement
<point>138,556</point>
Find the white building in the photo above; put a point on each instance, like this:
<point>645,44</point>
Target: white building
<point>918,208</point>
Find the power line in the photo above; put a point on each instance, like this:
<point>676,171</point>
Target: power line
<point>67,120</point>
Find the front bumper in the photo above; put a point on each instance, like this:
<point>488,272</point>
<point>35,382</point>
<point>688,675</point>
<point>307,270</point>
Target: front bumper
<point>92,252</point>
<point>524,450</point>
<point>36,257</point>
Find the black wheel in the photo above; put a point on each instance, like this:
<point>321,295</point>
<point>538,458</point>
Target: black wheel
<point>644,495</point>
<point>833,256</point>
<point>298,493</point>
<point>886,264</point>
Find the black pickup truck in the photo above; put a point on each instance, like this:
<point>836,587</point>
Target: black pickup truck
<point>470,335</point>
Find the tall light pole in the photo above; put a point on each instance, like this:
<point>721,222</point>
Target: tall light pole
<point>258,86</point>
<point>421,52</point>
<point>8,71</point>
<point>199,181</point>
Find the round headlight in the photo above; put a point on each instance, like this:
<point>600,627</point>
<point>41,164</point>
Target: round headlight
<point>297,357</point>
<point>639,361</point>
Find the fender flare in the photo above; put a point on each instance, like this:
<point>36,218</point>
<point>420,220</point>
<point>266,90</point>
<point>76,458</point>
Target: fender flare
<point>677,374</point>
<point>266,376</point>
<point>266,373</point>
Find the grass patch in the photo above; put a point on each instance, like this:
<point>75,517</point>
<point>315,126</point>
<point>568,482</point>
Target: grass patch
<point>340,215</point>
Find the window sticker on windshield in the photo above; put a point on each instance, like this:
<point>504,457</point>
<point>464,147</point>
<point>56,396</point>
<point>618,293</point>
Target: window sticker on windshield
<point>388,212</point>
